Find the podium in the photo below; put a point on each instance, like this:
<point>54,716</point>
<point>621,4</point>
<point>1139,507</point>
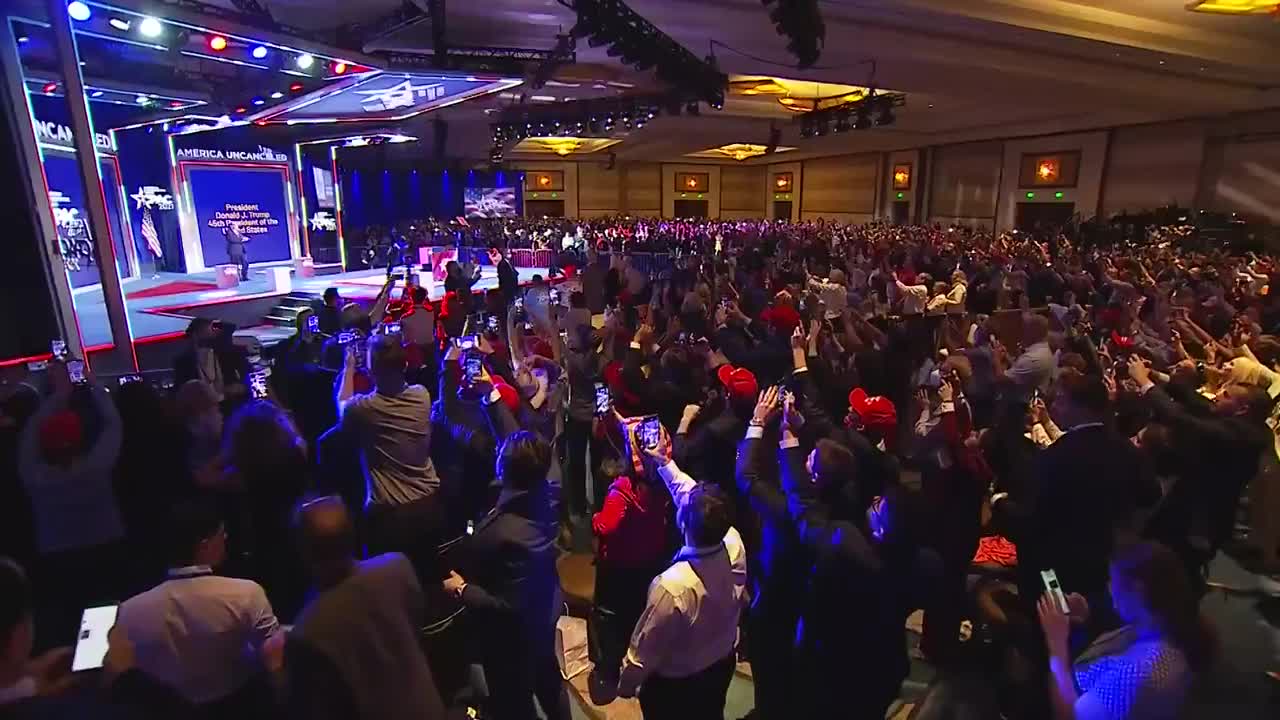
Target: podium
<point>228,276</point>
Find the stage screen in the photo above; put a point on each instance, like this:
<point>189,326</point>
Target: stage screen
<point>324,187</point>
<point>489,202</point>
<point>74,231</point>
<point>253,197</point>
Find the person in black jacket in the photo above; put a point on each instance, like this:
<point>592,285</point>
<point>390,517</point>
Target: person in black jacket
<point>866,578</point>
<point>1223,441</point>
<point>511,586</point>
<point>778,566</point>
<point>508,276</point>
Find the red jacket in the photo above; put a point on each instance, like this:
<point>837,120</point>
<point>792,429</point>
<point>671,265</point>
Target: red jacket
<point>632,526</point>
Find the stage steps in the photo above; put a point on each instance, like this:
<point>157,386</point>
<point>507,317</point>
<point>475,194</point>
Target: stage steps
<point>285,314</point>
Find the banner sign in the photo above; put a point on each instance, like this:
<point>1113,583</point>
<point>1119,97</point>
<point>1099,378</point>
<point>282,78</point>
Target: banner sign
<point>261,154</point>
<point>385,97</point>
<point>54,135</point>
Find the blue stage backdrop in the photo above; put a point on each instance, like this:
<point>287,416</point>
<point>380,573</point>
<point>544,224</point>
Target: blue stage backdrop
<point>254,198</point>
<point>66,192</point>
<point>320,221</point>
<point>144,166</point>
<point>232,176</point>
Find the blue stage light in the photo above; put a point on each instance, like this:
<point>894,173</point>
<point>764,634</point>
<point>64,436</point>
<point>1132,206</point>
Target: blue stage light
<point>259,101</point>
<point>79,11</point>
<point>305,62</point>
<point>259,52</point>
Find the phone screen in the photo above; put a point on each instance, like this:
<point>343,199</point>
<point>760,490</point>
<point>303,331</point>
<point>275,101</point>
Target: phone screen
<point>472,366</point>
<point>59,349</point>
<point>127,379</point>
<point>492,323</point>
<point>603,401</point>
<point>313,323</point>
<point>75,370</point>
<point>650,432</point>
<point>258,384</point>
<point>391,329</point>
<point>519,303</point>
<point>91,643</point>
<point>1051,586</point>
<point>466,342</point>
<point>346,337</point>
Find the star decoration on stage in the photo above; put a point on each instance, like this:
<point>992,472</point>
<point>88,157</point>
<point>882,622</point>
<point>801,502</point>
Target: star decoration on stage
<point>152,196</point>
<point>403,94</point>
<point>323,221</point>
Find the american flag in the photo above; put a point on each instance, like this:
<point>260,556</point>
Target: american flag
<point>149,233</point>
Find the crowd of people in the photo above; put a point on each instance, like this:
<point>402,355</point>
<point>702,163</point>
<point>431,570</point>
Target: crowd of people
<point>778,448</point>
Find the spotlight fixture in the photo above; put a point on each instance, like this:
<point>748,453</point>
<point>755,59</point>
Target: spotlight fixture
<point>339,67</point>
<point>259,52</point>
<point>277,95</point>
<point>142,100</point>
<point>49,88</point>
<point>175,104</point>
<point>870,110</point>
<point>259,101</point>
<point>295,87</point>
<point>95,94</point>
<point>801,21</point>
<point>241,110</point>
<point>119,24</point>
<point>217,43</point>
<point>79,11</point>
<point>639,44</point>
<point>150,28</point>
<point>305,61</point>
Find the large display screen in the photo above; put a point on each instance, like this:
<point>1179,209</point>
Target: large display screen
<point>254,199</point>
<point>489,202</point>
<point>384,96</point>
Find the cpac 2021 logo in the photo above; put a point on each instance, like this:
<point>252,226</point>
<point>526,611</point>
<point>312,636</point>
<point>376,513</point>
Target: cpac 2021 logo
<point>324,221</point>
<point>154,197</point>
<point>74,241</point>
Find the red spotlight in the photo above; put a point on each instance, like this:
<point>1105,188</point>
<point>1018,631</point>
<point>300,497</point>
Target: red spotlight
<point>49,88</point>
<point>339,67</point>
<point>240,110</point>
<point>217,43</point>
<point>175,103</point>
<point>295,87</point>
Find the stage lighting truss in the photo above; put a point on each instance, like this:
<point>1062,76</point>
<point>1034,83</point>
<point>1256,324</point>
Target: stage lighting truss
<point>874,110</point>
<point>639,44</point>
<point>801,22</point>
<point>585,118</point>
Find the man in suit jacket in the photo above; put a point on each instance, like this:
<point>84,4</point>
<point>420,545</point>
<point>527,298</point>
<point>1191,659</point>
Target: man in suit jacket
<point>354,652</point>
<point>511,587</point>
<point>508,276</point>
<point>236,254</point>
<point>1224,440</point>
<point>1084,490</point>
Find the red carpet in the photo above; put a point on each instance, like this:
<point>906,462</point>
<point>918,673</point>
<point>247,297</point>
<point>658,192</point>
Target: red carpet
<point>171,288</point>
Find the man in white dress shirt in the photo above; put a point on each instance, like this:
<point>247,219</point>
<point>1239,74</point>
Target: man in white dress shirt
<point>196,632</point>
<point>681,656</point>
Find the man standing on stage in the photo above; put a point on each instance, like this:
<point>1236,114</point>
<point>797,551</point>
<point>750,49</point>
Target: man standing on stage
<point>236,254</point>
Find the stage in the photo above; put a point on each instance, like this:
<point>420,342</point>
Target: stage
<point>159,308</point>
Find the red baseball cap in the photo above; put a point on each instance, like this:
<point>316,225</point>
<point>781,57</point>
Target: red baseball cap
<point>875,412</point>
<point>510,396</point>
<point>740,382</point>
<point>61,432</point>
